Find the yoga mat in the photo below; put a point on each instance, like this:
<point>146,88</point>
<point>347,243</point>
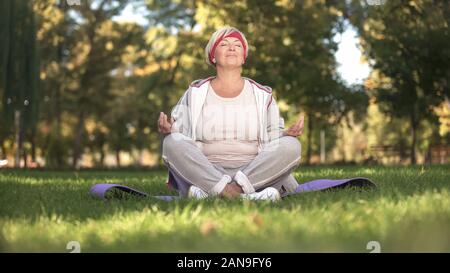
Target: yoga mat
<point>101,190</point>
<point>326,184</point>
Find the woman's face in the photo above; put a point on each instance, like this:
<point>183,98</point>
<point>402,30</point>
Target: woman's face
<point>230,53</point>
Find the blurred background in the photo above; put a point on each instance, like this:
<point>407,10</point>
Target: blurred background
<point>82,82</point>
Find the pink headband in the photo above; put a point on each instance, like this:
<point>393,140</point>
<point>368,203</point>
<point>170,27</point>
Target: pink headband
<point>234,34</point>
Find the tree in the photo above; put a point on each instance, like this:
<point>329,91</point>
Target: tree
<point>19,69</point>
<point>56,39</point>
<point>409,44</point>
<point>105,41</point>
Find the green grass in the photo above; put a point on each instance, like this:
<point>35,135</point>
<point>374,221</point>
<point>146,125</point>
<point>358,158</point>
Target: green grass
<point>41,211</point>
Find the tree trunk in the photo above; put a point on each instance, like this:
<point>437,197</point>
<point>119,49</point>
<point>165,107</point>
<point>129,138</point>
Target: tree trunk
<point>33,146</point>
<point>57,124</point>
<point>322,146</point>
<point>78,139</point>
<point>102,157</point>
<point>140,157</point>
<point>414,136</point>
<point>59,90</point>
<point>309,139</point>
<point>25,165</point>
<point>18,138</point>
<point>3,150</point>
<point>118,158</point>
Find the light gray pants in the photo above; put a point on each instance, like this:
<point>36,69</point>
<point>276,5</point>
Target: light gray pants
<point>272,166</point>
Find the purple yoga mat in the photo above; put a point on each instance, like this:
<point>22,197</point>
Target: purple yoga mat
<point>326,184</point>
<point>100,190</point>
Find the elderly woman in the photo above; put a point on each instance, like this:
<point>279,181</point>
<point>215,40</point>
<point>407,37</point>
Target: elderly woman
<point>225,136</point>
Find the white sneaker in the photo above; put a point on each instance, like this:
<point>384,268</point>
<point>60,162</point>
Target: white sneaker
<point>196,193</point>
<point>269,193</point>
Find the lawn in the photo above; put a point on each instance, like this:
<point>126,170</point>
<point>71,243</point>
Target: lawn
<point>41,211</point>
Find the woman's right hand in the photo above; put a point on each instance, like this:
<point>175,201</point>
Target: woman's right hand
<point>164,126</point>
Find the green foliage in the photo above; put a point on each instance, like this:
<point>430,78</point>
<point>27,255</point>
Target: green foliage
<point>19,66</point>
<point>104,82</point>
<point>409,44</point>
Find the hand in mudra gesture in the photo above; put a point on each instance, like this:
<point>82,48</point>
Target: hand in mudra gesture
<point>296,129</point>
<point>164,125</point>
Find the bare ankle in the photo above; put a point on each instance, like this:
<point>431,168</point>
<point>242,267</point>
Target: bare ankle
<point>229,192</point>
<point>237,187</point>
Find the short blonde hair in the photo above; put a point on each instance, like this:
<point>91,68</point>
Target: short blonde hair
<point>217,35</point>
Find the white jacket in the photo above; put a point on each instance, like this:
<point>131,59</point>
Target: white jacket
<point>188,109</point>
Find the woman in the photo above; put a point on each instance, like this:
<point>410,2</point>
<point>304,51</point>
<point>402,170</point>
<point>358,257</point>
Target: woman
<point>225,136</point>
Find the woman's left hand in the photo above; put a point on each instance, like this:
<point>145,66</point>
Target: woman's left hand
<point>296,129</point>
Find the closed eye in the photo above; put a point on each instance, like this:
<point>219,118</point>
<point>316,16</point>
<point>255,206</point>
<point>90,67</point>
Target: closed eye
<point>236,43</point>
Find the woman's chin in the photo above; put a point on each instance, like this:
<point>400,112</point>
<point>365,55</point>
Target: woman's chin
<point>231,64</point>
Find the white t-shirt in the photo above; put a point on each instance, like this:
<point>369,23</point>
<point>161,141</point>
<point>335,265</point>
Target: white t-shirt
<point>227,129</point>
